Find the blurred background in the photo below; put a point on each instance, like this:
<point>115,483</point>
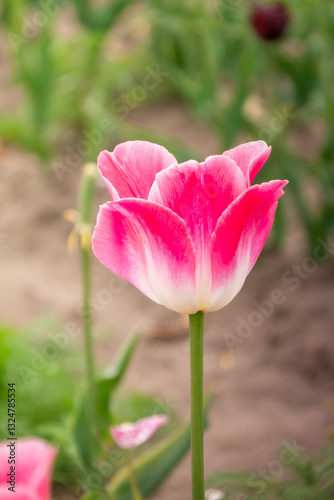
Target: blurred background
<point>199,77</point>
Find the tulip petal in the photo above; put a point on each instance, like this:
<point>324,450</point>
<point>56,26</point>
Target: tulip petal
<point>21,493</point>
<point>130,170</point>
<point>199,193</point>
<point>130,435</point>
<point>239,238</point>
<point>250,158</point>
<point>149,246</point>
<point>33,469</point>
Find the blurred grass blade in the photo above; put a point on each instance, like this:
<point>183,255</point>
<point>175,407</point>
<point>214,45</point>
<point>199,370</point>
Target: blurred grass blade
<point>86,192</point>
<point>153,466</point>
<point>102,18</point>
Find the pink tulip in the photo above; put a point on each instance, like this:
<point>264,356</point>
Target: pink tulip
<point>34,460</point>
<point>186,235</point>
<point>129,435</point>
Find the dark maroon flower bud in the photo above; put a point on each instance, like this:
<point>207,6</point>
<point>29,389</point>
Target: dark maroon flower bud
<point>270,20</point>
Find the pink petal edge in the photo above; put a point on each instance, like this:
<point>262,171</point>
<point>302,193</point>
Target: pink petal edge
<point>130,170</point>
<point>239,238</point>
<point>250,158</point>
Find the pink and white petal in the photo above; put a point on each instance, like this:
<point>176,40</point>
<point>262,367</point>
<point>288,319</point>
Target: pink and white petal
<point>199,193</point>
<point>239,238</point>
<point>125,435</point>
<point>149,246</point>
<point>148,426</point>
<point>130,435</point>
<point>250,158</point>
<point>130,170</point>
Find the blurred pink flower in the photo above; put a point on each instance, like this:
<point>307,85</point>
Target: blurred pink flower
<point>34,459</point>
<point>186,235</point>
<point>129,435</point>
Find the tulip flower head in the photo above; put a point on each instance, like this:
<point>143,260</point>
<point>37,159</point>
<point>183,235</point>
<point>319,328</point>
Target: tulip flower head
<point>186,235</point>
<point>32,472</point>
<point>130,435</point>
<point>270,20</point>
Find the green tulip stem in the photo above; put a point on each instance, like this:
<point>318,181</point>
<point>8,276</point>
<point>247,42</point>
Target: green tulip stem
<point>132,476</point>
<point>196,322</point>
<point>87,324</point>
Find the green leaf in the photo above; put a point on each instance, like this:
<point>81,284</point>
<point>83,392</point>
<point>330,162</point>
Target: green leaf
<point>83,436</point>
<point>153,466</point>
<point>109,381</point>
<point>86,438</point>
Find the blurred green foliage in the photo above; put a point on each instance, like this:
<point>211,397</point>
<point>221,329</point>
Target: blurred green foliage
<point>46,380</point>
<point>309,479</point>
<point>51,403</point>
<point>45,385</point>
